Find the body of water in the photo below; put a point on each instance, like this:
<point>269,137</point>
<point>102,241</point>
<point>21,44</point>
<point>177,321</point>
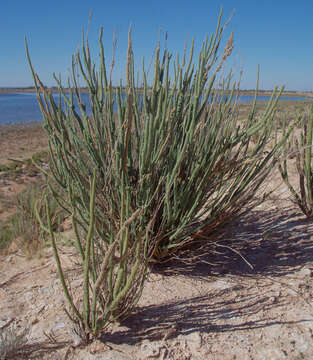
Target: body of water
<point>23,107</point>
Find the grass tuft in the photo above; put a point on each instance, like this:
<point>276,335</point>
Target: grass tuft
<point>13,344</point>
<point>25,227</point>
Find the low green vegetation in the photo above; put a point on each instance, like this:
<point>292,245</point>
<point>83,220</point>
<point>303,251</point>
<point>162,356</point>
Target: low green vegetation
<point>10,166</point>
<point>25,227</point>
<point>27,164</point>
<point>300,147</point>
<point>6,237</point>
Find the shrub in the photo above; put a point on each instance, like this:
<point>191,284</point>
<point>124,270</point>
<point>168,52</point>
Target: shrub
<point>149,170</point>
<point>302,146</point>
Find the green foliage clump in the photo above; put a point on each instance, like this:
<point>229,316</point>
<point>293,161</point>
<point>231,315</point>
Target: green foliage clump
<point>24,227</point>
<point>150,170</point>
<point>9,166</point>
<point>6,236</point>
<point>302,147</point>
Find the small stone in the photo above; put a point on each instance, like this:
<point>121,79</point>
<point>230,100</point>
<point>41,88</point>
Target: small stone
<point>77,340</point>
<point>59,325</point>
<point>96,347</point>
<point>273,299</point>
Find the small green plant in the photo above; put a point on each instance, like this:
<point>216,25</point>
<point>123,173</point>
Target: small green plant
<point>6,236</point>
<point>39,157</point>
<point>302,147</point>
<point>149,170</point>
<point>9,166</point>
<point>24,226</point>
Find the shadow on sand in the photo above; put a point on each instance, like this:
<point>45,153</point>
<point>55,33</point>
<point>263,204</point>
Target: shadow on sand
<point>274,244</point>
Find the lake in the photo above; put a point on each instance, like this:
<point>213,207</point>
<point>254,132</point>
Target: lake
<point>23,107</point>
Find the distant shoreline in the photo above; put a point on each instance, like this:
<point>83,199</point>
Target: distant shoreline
<point>308,94</point>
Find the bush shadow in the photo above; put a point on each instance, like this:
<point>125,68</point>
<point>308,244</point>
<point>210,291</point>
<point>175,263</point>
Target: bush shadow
<point>263,242</point>
<point>275,244</point>
<point>202,314</point>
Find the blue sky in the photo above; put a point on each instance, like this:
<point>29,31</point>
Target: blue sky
<point>277,34</point>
